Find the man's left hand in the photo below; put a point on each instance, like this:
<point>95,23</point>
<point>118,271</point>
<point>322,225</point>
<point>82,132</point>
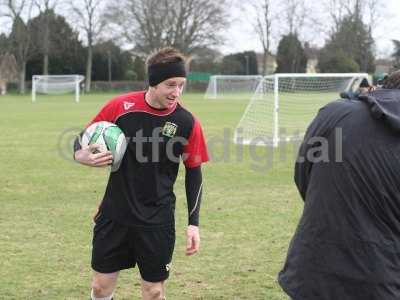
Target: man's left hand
<point>192,240</point>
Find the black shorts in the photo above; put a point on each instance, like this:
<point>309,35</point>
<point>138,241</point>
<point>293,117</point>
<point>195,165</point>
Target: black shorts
<point>117,247</point>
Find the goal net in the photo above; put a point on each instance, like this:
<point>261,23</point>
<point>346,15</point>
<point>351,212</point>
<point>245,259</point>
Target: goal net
<point>284,104</point>
<point>232,86</point>
<point>56,84</point>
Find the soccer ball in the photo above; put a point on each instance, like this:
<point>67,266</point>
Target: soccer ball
<point>109,137</point>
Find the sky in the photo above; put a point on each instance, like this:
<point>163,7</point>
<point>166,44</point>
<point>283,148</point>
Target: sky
<point>241,36</point>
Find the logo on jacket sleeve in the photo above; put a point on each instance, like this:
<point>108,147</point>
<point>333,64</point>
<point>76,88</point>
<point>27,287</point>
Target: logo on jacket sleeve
<point>169,129</point>
<point>128,105</point>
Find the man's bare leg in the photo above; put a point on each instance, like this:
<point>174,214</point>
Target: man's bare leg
<point>153,290</point>
<point>103,284</point>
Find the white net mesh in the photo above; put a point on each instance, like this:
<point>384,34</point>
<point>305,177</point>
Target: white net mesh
<point>56,84</point>
<point>283,105</point>
<point>232,86</point>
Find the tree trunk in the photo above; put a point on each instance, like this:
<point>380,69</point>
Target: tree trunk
<point>264,65</point>
<point>109,67</point>
<point>3,87</point>
<point>46,64</point>
<point>88,69</point>
<point>22,75</point>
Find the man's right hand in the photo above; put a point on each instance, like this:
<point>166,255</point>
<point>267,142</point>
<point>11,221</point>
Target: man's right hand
<point>90,157</point>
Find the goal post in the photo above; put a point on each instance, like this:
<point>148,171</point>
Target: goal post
<point>56,84</point>
<point>231,86</point>
<point>283,105</point>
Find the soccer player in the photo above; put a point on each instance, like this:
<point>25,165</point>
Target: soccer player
<point>347,243</point>
<point>135,222</point>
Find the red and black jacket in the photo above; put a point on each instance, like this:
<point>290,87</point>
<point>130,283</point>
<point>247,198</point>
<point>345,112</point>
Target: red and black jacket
<point>140,192</point>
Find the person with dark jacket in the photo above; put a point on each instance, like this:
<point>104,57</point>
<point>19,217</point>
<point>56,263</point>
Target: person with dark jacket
<point>347,243</point>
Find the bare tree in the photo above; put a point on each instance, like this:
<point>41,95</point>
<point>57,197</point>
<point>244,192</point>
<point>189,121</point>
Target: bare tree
<point>263,26</point>
<point>44,7</point>
<point>370,11</point>
<point>375,13</point>
<point>295,13</point>
<point>90,17</point>
<point>337,11</point>
<point>20,37</point>
<point>185,24</point>
<point>364,12</point>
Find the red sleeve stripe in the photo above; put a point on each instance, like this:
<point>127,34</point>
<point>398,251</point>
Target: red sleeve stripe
<point>195,151</point>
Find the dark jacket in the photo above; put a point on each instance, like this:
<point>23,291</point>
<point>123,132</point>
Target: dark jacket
<point>347,243</point>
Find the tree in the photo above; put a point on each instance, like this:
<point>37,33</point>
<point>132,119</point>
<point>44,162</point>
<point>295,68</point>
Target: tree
<point>291,57</point>
<point>340,9</point>
<point>91,20</point>
<point>46,9</point>
<point>206,60</point>
<point>353,24</point>
<point>231,66</point>
<point>66,52</point>
<point>4,44</point>
<point>354,39</point>
<point>184,24</point>
<point>396,54</point>
<point>295,14</point>
<point>109,59</point>
<point>8,65</point>
<point>139,69</point>
<point>243,63</point>
<point>337,62</point>
<point>20,36</point>
<point>263,27</point>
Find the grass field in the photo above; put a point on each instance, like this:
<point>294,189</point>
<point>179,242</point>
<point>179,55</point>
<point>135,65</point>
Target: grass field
<point>249,212</point>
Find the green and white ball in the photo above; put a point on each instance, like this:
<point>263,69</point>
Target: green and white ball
<point>109,137</point>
